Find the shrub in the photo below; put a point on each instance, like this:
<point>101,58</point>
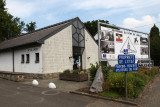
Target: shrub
<point>93,69</point>
<point>116,82</point>
<point>106,71</point>
<point>76,71</point>
<point>66,71</point>
<point>154,71</point>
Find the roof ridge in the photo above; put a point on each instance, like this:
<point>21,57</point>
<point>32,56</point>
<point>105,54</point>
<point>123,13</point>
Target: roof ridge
<point>42,29</point>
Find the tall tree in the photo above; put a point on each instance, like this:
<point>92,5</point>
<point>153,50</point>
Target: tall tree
<point>154,45</point>
<point>30,27</point>
<point>92,26</point>
<point>9,26</point>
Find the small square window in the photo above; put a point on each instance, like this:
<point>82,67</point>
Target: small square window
<point>27,58</point>
<point>22,58</point>
<point>36,57</point>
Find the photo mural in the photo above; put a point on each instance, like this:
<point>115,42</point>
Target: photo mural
<point>113,42</point>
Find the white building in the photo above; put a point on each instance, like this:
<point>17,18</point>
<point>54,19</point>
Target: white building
<point>50,50</point>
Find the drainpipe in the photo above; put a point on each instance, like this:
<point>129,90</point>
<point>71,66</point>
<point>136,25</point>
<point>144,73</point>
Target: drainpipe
<point>13,59</point>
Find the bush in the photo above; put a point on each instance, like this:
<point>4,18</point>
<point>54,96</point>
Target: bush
<point>154,71</point>
<point>93,69</point>
<point>66,71</point>
<point>76,71</point>
<point>136,81</point>
<point>106,71</point>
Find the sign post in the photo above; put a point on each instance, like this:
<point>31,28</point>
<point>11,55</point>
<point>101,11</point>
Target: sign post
<point>126,84</point>
<point>126,63</point>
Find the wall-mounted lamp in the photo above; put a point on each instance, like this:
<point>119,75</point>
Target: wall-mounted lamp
<point>88,57</point>
<point>70,56</point>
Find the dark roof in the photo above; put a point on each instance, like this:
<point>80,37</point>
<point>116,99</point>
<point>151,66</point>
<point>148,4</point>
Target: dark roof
<point>37,36</point>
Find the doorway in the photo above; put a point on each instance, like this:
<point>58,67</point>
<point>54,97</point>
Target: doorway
<point>77,62</point>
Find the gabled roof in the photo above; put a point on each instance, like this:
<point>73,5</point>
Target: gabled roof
<point>37,36</point>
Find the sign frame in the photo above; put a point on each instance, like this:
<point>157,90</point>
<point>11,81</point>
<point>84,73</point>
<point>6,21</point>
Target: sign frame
<point>125,29</point>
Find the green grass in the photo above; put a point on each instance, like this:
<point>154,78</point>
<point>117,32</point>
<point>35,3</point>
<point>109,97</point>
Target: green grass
<point>110,94</point>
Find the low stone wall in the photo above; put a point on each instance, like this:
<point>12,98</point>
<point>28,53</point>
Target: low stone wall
<point>19,76</point>
<point>13,76</point>
<point>41,76</point>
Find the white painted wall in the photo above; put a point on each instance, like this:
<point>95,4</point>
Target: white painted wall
<point>56,52</point>
<point>30,67</point>
<point>91,49</point>
<point>6,61</point>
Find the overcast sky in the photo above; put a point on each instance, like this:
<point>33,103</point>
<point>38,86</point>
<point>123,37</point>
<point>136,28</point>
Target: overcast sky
<point>127,13</point>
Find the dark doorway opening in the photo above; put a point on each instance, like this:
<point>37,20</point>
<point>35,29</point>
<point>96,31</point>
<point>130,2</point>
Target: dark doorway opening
<point>77,59</point>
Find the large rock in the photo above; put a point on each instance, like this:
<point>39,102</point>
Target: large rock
<point>98,82</point>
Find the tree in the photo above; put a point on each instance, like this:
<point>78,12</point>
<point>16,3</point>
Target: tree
<point>154,45</point>
<point>9,26</point>
<point>92,26</point>
<point>30,27</point>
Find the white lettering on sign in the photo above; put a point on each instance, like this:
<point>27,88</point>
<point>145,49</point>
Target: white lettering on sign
<point>126,57</point>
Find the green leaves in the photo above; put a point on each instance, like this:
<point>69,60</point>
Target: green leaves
<point>11,26</point>
<point>30,27</point>
<point>154,45</point>
<point>92,26</point>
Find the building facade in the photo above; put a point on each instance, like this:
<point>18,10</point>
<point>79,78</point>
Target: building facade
<point>52,49</point>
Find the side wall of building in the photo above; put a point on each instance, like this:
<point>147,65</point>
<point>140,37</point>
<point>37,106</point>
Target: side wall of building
<point>6,61</point>
<point>56,52</point>
<point>32,66</point>
<point>91,50</point>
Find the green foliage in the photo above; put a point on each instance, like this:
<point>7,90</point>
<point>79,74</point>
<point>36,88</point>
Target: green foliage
<point>136,81</point>
<point>93,69</point>
<point>30,27</point>
<point>154,45</point>
<point>10,26</point>
<point>106,71</point>
<point>92,26</point>
<point>66,71</point>
<point>76,71</point>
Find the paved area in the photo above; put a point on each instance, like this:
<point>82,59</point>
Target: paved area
<point>61,85</point>
<point>14,94</point>
<point>151,96</point>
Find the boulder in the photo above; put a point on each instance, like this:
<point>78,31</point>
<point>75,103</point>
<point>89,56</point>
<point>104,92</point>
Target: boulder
<point>97,85</point>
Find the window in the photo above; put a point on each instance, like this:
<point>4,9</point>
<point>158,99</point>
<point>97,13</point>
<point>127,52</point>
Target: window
<point>27,58</point>
<point>37,57</point>
<point>22,58</point>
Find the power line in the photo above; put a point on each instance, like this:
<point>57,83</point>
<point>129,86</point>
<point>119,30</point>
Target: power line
<point>144,25</point>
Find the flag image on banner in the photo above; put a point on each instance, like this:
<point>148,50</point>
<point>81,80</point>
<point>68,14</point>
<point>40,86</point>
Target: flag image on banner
<point>119,37</point>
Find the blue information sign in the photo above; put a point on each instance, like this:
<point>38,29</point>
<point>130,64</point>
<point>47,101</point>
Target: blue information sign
<point>126,68</point>
<point>126,59</point>
<point>126,63</point>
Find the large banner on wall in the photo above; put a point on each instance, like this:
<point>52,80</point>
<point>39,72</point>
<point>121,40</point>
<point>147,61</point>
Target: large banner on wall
<point>113,42</point>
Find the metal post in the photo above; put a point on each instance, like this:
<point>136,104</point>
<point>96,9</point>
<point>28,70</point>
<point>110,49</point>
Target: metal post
<point>149,55</point>
<point>99,55</point>
<point>126,85</point>
<point>13,60</point>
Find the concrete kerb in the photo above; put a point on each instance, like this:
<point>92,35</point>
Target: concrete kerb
<point>105,98</point>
